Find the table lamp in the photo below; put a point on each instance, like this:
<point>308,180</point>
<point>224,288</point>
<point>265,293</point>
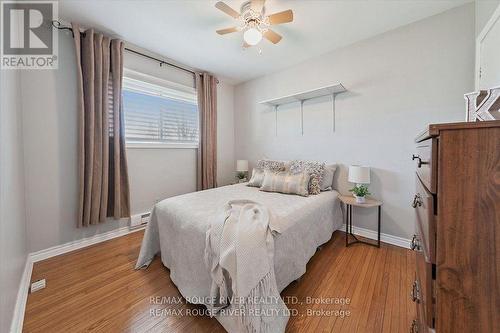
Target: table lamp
<point>242,170</point>
<point>360,175</point>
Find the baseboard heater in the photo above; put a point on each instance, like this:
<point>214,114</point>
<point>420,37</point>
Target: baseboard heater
<point>140,219</point>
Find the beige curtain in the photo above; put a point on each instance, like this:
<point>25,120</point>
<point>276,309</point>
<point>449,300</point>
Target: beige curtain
<point>103,175</point>
<point>206,86</point>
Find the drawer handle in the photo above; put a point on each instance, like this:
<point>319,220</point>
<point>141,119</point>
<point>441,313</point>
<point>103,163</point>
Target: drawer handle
<point>414,326</point>
<point>415,244</point>
<point>415,293</point>
<point>417,201</point>
<point>419,160</point>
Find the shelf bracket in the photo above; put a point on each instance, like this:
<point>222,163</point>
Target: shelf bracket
<point>333,113</point>
<point>276,120</point>
<point>302,116</point>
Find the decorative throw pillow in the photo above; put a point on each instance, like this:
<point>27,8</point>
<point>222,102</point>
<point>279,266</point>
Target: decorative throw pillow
<point>327,181</point>
<point>315,171</point>
<point>286,182</point>
<point>257,178</point>
<point>271,165</point>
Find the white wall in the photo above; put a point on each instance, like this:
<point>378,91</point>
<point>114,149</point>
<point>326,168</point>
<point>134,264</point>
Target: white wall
<point>13,249</point>
<point>484,10</point>
<point>398,83</point>
<point>50,123</point>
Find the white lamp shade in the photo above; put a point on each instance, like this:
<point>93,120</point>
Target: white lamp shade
<point>242,165</point>
<point>359,174</point>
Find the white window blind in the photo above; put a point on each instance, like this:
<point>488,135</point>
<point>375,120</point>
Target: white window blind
<point>161,113</point>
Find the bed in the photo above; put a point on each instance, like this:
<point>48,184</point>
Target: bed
<point>178,226</point>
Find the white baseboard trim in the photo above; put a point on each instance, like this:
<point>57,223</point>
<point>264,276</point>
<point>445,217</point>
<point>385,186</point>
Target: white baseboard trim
<point>22,297</point>
<point>81,243</point>
<point>386,238</point>
<point>24,285</point>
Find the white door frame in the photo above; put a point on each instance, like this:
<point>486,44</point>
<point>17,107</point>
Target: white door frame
<point>479,40</point>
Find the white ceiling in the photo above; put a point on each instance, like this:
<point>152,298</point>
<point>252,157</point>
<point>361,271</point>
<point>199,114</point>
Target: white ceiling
<point>185,30</point>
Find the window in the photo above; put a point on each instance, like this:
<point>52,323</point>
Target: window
<point>159,113</point>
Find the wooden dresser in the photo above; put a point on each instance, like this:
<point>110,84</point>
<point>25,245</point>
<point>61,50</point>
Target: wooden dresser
<point>457,229</point>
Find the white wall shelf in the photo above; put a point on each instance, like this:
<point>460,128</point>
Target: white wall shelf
<point>331,90</point>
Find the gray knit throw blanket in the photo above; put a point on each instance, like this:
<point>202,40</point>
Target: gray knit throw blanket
<point>239,253</point>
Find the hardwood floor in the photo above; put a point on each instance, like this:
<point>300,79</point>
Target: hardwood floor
<point>96,289</point>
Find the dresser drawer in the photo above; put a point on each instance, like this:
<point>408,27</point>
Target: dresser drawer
<point>423,203</point>
<point>422,289</point>
<point>419,325</point>
<point>426,163</point>
<point>422,292</point>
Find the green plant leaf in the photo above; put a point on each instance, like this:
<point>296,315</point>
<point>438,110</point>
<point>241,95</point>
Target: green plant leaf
<point>360,190</point>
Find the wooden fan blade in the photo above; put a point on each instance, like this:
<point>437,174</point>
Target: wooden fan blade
<point>226,31</point>
<point>272,36</point>
<point>226,9</point>
<point>281,17</point>
<point>257,5</point>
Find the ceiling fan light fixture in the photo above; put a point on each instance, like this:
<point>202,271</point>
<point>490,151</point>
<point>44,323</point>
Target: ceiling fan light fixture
<point>253,22</point>
<point>252,36</point>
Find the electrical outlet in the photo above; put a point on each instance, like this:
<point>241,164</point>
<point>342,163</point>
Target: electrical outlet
<point>37,285</point>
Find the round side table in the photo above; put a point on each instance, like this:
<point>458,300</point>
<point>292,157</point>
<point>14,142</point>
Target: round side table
<point>350,201</point>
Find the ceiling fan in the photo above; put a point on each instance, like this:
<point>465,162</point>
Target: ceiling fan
<point>253,22</point>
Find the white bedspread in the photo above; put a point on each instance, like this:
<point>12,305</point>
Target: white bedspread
<point>178,226</point>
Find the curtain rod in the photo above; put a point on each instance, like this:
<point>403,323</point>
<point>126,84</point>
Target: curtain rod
<point>160,61</point>
<point>56,24</point>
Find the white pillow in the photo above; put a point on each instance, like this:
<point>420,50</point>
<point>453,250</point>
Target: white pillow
<point>326,183</point>
<point>257,178</point>
<point>286,182</point>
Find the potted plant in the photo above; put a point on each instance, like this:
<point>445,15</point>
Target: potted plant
<point>360,192</point>
<point>242,176</point>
